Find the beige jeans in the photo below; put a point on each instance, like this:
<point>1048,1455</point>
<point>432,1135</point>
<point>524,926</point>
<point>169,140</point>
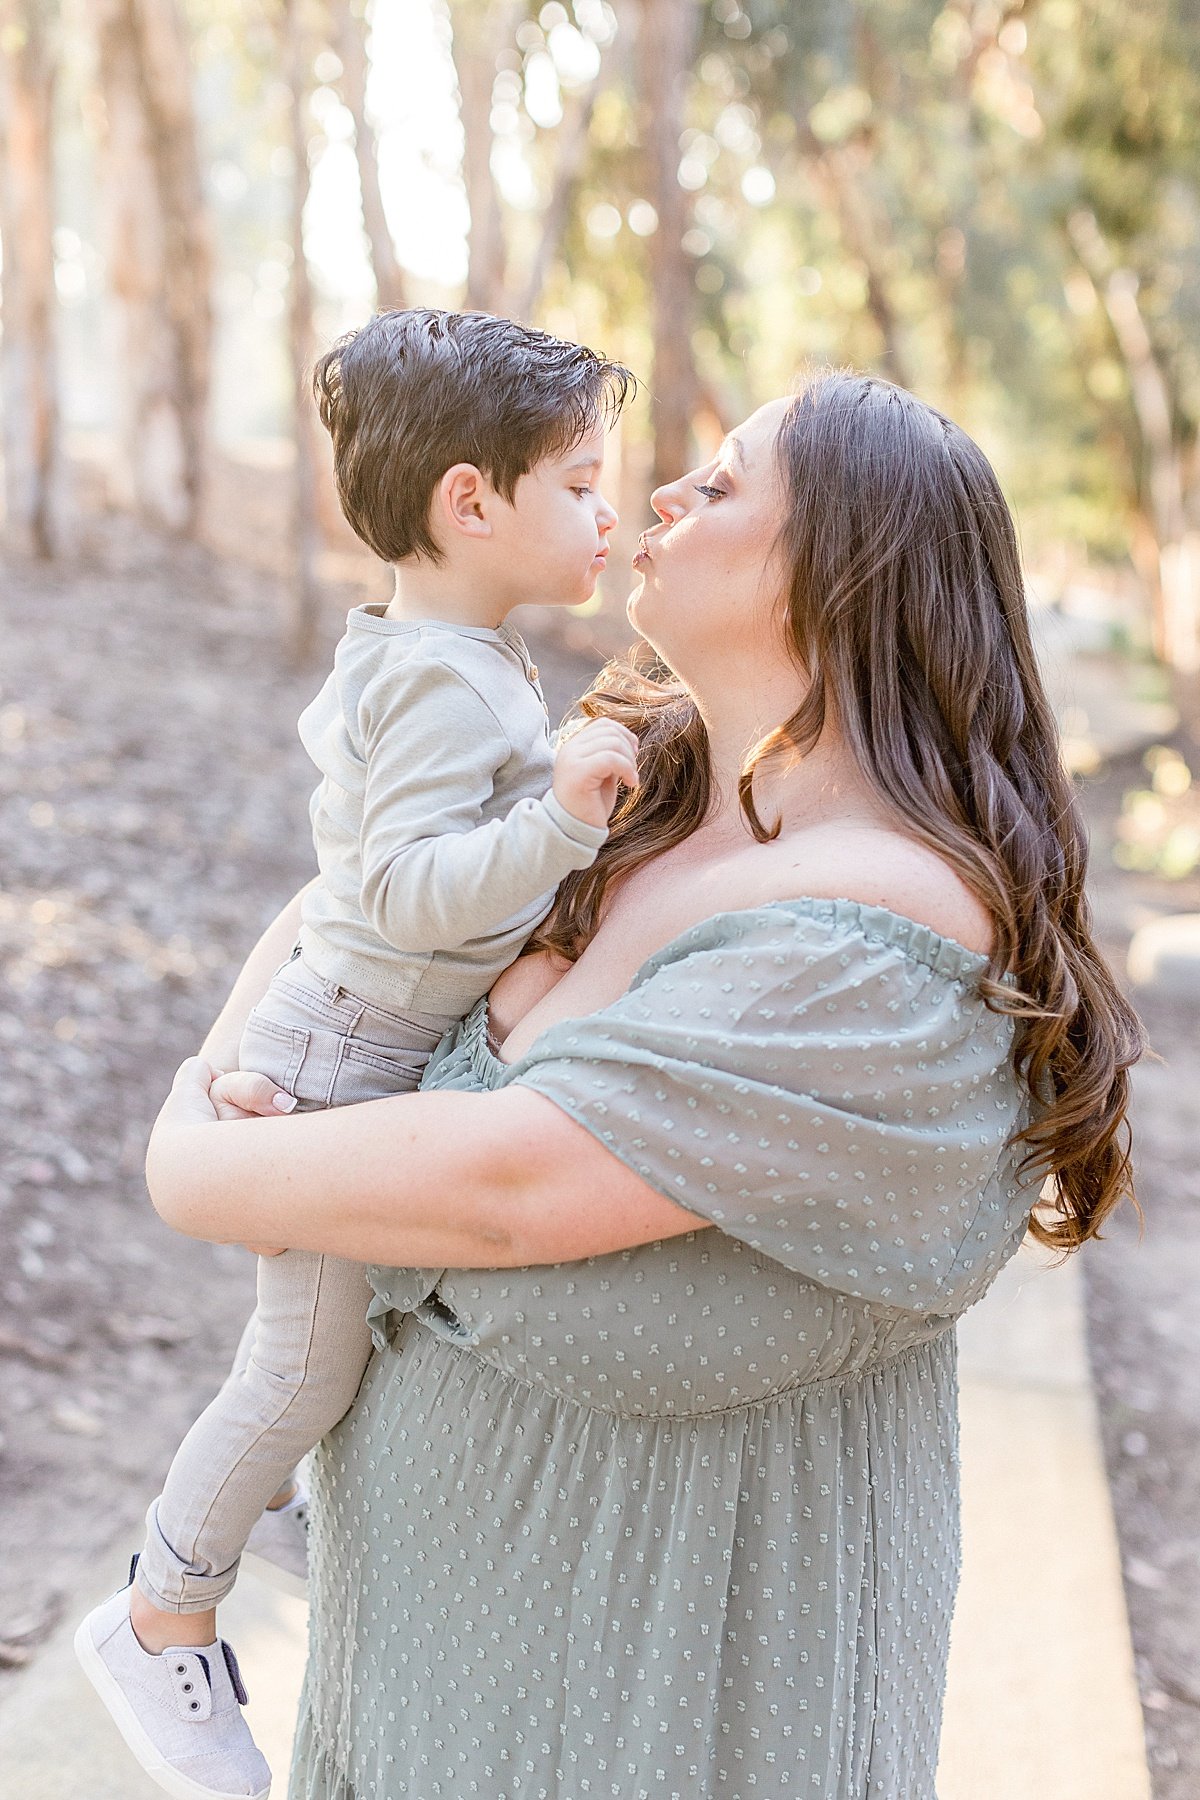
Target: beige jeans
<point>302,1355</point>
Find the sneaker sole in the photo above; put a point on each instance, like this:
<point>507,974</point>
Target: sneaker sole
<point>136,1737</point>
<point>275,1575</point>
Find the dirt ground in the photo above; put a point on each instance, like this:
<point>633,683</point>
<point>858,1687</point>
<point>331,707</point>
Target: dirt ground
<point>1144,1330</point>
<point>153,817</point>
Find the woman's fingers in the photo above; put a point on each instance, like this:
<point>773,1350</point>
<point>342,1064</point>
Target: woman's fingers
<point>189,1096</point>
<point>202,1094</point>
<point>244,1095</point>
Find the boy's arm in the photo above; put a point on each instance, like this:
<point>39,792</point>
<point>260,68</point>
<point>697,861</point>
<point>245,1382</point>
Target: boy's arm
<point>434,873</point>
<point>220,1047</point>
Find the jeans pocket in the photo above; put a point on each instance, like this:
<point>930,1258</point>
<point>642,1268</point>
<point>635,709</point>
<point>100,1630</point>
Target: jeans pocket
<point>396,1031</point>
<point>275,1050</point>
<point>373,1071</point>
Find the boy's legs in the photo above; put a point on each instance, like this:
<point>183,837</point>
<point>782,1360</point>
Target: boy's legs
<point>306,1359</point>
<point>301,1359</point>
<point>241,1357</point>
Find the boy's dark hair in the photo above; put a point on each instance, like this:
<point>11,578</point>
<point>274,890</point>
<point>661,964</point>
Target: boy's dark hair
<point>416,390</point>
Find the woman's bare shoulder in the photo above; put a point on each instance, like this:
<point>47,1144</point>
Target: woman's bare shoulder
<point>881,867</point>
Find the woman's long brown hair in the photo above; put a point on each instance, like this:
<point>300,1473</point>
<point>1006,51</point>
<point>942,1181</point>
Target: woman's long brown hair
<point>907,610</point>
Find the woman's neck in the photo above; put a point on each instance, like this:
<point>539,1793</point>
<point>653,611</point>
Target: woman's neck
<point>824,783</point>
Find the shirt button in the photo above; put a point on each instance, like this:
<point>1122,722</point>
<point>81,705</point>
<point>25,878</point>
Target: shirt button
<point>533,671</point>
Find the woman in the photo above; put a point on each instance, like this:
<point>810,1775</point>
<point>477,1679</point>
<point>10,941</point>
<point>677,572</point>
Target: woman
<point>655,1491</point>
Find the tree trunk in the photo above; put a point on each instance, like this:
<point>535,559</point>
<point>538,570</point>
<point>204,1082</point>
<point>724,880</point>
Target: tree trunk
<point>572,147</point>
<point>1176,589</point>
<point>303,589</point>
<point>166,75</point>
<point>667,35</point>
<point>160,258</point>
<point>481,31</point>
<point>840,169</point>
<point>29,366</point>
<point>350,43</point>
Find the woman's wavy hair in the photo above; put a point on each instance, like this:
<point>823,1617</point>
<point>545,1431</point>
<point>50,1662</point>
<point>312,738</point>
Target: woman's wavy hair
<point>907,610</point>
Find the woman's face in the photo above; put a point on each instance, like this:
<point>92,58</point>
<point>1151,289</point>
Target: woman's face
<point>710,588</point>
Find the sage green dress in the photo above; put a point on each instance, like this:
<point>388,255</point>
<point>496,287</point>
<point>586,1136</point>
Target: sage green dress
<point>682,1521</point>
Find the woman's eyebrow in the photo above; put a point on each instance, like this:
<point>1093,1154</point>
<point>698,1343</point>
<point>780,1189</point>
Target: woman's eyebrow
<point>735,444</point>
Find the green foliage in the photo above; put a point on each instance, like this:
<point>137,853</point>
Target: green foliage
<point>870,182</point>
<point>1158,831</point>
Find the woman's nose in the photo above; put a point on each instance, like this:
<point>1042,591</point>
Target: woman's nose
<point>668,502</point>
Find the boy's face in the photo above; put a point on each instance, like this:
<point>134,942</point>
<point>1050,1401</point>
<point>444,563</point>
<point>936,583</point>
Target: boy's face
<point>554,538</point>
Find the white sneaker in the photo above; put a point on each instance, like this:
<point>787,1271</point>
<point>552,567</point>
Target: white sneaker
<point>179,1711</point>
<point>278,1545</point>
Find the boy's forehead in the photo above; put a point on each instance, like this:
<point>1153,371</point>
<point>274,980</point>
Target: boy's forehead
<point>586,453</point>
<point>582,458</point>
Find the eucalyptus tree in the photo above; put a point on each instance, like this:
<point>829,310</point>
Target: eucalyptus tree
<point>159,255</point>
<point>29,398</point>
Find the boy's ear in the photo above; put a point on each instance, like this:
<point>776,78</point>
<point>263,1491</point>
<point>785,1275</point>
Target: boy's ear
<point>461,502</point>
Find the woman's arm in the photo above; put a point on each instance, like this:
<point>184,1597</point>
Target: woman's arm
<point>220,1047</point>
<point>444,1180</point>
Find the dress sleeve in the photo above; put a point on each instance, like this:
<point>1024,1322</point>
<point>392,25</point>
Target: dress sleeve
<point>824,1084</point>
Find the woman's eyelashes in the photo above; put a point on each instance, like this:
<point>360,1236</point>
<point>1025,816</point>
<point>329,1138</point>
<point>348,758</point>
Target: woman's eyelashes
<point>710,493</point>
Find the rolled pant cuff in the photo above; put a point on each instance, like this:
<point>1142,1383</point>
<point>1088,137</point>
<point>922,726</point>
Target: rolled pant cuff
<point>168,1583</point>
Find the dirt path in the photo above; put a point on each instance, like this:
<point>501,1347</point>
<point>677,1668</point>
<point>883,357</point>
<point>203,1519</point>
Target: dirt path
<point>152,818</point>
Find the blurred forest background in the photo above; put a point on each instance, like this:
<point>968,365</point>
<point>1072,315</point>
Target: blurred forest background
<point>994,202</point>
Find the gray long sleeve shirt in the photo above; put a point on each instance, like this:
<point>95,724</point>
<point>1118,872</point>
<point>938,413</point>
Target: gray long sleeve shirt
<point>438,839</point>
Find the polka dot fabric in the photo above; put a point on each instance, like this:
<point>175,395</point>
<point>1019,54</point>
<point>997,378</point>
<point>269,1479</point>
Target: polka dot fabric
<point>682,1521</point>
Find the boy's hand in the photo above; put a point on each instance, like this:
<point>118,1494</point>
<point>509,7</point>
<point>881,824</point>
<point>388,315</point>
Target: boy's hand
<point>589,766</point>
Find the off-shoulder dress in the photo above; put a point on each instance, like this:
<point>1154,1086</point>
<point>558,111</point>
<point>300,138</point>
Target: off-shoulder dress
<point>682,1521</point>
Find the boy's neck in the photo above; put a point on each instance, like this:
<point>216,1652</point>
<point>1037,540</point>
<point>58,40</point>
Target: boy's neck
<point>425,592</point>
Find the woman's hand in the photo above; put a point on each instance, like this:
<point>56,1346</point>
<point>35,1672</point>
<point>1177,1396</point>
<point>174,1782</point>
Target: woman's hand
<point>201,1094</point>
<point>241,1094</point>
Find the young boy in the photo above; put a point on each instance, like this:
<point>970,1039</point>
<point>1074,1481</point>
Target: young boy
<point>467,451</point>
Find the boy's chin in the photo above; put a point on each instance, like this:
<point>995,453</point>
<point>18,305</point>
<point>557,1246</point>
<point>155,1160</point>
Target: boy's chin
<point>573,593</point>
